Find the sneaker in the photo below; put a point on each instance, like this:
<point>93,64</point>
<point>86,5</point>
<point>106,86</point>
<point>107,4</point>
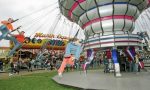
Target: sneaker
<point>10,74</point>
<point>60,74</point>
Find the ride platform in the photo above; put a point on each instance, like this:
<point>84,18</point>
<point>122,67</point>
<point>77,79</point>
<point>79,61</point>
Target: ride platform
<point>98,80</point>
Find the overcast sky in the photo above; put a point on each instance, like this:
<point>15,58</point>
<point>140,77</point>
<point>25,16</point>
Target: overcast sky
<point>44,21</point>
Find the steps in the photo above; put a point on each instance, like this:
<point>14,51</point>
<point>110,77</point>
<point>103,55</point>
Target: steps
<point>146,63</point>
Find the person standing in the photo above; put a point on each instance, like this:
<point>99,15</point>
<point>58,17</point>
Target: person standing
<point>106,62</point>
<point>11,68</point>
<point>29,65</point>
<point>136,65</point>
<point>90,57</point>
<point>16,67</point>
<point>1,65</point>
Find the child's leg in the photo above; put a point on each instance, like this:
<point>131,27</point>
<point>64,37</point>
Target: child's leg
<point>14,49</point>
<point>63,65</point>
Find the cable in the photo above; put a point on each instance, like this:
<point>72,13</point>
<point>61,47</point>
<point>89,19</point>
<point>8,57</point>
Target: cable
<point>43,47</point>
<point>145,22</point>
<point>72,25</point>
<point>137,27</point>
<point>60,24</point>
<point>61,27</point>
<point>35,22</point>
<point>79,17</point>
<point>54,24</point>
<point>38,10</point>
<point>48,25</point>
<point>42,15</point>
<point>75,36</point>
<point>146,13</point>
<point>41,25</point>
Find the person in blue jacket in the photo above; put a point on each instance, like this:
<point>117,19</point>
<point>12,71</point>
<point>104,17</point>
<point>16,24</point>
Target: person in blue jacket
<point>72,54</point>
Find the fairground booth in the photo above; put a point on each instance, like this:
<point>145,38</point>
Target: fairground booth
<point>32,46</point>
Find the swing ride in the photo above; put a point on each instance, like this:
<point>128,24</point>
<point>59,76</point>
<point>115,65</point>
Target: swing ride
<point>107,23</point>
<point>30,24</point>
<point>40,43</point>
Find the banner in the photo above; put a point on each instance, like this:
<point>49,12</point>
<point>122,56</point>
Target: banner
<point>50,36</point>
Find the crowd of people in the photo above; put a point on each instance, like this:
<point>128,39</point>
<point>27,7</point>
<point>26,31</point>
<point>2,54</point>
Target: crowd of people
<point>54,60</point>
<point>127,64</point>
<point>51,61</point>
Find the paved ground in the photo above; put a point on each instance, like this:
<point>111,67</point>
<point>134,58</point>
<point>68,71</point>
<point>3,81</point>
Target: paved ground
<point>100,81</point>
<point>148,69</point>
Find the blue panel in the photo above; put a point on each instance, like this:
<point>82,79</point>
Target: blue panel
<point>114,56</point>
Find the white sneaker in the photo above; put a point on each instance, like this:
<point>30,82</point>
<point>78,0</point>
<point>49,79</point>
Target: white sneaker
<point>60,74</point>
<point>10,74</point>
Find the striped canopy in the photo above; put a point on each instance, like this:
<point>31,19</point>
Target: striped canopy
<point>110,20</point>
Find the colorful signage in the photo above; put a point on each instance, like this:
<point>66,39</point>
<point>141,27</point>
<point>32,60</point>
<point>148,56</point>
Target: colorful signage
<point>38,43</point>
<point>50,36</point>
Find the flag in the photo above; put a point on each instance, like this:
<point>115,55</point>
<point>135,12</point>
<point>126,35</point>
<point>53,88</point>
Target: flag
<point>141,64</point>
<point>130,52</point>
